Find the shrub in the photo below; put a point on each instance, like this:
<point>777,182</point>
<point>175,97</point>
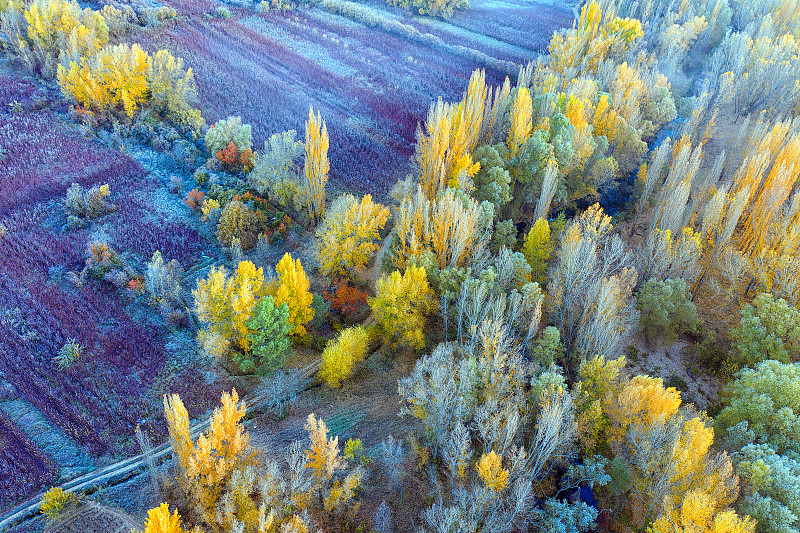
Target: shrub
<point>666,309</point>
<point>227,131</point>
<point>44,33</point>
<point>237,222</point>
<point>548,347</point>
<point>769,329</point>
<point>269,327</point>
<point>114,76</point>
<point>68,354</point>
<point>87,204</point>
<point>348,234</point>
<point>225,304</point>
<point>173,92</point>
<point>163,280</point>
<point>291,288</point>
<point>54,502</point>
<point>101,259</point>
<point>222,12</point>
<point>341,355</point>
<point>348,300</point>
<point>401,303</point>
<point>435,8</point>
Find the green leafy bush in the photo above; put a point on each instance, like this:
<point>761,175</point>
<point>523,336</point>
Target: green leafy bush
<point>666,309</point>
<point>237,222</point>
<point>769,329</point>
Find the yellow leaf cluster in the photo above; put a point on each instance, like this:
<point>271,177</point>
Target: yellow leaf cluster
<point>537,250</point>
<point>401,304</point>
<point>291,288</point>
<point>225,303</point>
<point>521,121</point>
<point>209,463</point>
<point>452,131</point>
<point>642,401</point>
<point>349,233</point>
<point>114,76</point>
<point>597,36</point>
<point>697,513</point>
<point>159,520</point>
<point>341,355</point>
<point>490,470</point>
<point>323,457</point>
<point>316,164</point>
<point>448,226</point>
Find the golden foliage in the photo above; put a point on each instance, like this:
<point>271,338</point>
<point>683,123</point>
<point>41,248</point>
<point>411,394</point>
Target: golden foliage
<point>448,226</point>
<point>401,304</point>
<point>225,304</point>
<point>490,470</point>
<point>537,250</point>
<point>347,238</point>
<point>54,501</point>
<point>159,520</point>
<point>209,463</point>
<point>291,288</point>
<point>698,513</point>
<point>341,355</point>
<point>323,457</point>
<point>643,401</point>
<point>451,133</point>
<point>521,121</point>
<point>316,165</point>
<point>114,76</point>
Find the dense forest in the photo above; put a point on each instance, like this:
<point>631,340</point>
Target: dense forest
<point>567,302</point>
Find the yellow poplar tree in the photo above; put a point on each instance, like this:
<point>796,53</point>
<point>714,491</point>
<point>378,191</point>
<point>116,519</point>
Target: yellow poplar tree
<point>316,164</point>
<point>292,288</point>
<point>401,304</point>
<point>490,470</point>
<point>159,520</point>
<point>697,513</point>
<point>225,303</point>
<point>521,121</point>
<point>348,236</point>
<point>114,76</point>
<point>341,355</point>
<point>537,250</point>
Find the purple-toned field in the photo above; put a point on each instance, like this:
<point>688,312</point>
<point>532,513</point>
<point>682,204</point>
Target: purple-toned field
<point>98,400</point>
<point>372,86</point>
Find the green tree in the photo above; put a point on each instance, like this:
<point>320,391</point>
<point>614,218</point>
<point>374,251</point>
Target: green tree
<point>548,347</point>
<point>268,336</point>
<point>666,310</point>
<point>769,329</point>
<point>771,492</point>
<point>763,405</point>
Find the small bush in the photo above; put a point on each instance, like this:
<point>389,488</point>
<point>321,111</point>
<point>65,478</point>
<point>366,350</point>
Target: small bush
<point>163,280</point>
<point>237,222</point>
<point>68,354</point>
<point>342,354</point>
<point>222,12</point>
<point>101,259</point>
<point>55,501</point>
<point>87,204</point>
<point>226,131</point>
<point>435,8</point>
